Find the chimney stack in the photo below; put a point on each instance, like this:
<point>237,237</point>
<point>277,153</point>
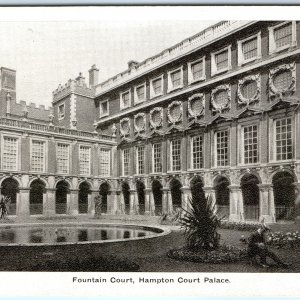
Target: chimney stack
<point>93,76</point>
<point>132,64</point>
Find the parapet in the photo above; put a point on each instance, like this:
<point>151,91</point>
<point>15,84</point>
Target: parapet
<point>76,86</point>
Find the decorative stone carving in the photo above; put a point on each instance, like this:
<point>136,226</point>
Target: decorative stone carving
<point>140,122</point>
<point>219,104</point>
<point>174,112</point>
<point>125,127</point>
<point>276,91</point>
<point>196,105</point>
<point>156,117</point>
<point>114,130</point>
<point>241,84</point>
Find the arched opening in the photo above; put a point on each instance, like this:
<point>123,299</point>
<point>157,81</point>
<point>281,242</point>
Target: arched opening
<point>10,189</point>
<point>104,192</point>
<point>126,195</point>
<point>83,197</point>
<point>222,194</point>
<point>140,189</point>
<point>61,195</point>
<point>284,195</point>
<point>157,195</point>
<point>36,194</point>
<point>176,193</point>
<point>250,192</point>
<point>196,186</point>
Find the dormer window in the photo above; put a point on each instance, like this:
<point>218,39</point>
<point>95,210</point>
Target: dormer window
<point>282,36</point>
<point>196,70</point>
<point>125,100</point>
<point>61,111</point>
<point>249,49</point>
<point>140,93</point>
<point>156,87</point>
<point>221,61</point>
<point>175,79</point>
<point>104,110</point>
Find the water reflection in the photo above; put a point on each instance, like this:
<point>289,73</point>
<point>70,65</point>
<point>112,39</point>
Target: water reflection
<point>52,235</point>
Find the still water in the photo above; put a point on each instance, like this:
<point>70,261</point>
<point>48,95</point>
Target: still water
<point>69,234</point>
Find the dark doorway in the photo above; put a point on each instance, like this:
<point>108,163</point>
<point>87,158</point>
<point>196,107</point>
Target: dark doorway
<point>140,189</point>
<point>9,189</point>
<point>83,197</point>
<point>126,195</point>
<point>62,190</point>
<point>157,195</point>
<point>104,192</point>
<point>36,194</point>
<point>222,194</point>
<point>176,193</point>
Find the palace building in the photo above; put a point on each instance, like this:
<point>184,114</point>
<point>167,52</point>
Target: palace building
<point>220,108</point>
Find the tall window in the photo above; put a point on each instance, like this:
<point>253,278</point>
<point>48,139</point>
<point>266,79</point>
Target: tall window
<point>126,159</point>
<point>62,158</point>
<point>283,139</point>
<point>84,160</point>
<point>104,162</point>
<point>10,153</point>
<point>140,93</point>
<point>157,167</point>
<point>125,100</point>
<point>222,148</point>
<point>175,79</point>
<point>250,144</point>
<point>38,156</point>
<point>196,70</point>
<point>249,49</point>
<point>222,60</point>
<point>176,155</point>
<point>61,111</point>
<point>197,153</point>
<point>140,159</point>
<point>157,86</point>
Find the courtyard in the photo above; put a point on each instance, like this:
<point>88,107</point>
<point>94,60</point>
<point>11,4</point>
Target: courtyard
<point>142,255</point>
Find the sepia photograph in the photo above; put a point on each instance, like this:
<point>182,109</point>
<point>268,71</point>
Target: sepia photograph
<point>131,143</point>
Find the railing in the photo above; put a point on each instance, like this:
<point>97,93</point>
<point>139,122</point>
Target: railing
<point>251,212</point>
<point>51,129</point>
<point>285,212</point>
<point>183,47</point>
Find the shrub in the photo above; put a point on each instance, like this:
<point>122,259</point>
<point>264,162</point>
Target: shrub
<point>200,222</point>
<point>241,226</point>
<point>280,239</point>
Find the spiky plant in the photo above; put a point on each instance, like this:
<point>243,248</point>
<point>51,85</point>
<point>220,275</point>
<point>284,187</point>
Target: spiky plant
<point>200,221</point>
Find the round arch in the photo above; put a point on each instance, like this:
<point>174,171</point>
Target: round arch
<point>36,196</point>
<point>140,189</point>
<point>126,196</point>
<point>61,196</point>
<point>84,190</point>
<point>10,189</point>
<point>157,196</point>
<point>176,193</point>
<point>104,191</point>
<point>250,192</point>
<point>221,186</point>
<point>43,180</point>
<point>284,195</point>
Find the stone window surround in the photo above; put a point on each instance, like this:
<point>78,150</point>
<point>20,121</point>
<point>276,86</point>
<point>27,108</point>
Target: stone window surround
<point>90,158</point>
<point>214,70</point>
<point>45,163</point>
<point>101,148</point>
<point>214,147</point>
<point>272,135</point>
<point>240,143</point>
<point>241,60</point>
<point>137,165</point>
<point>70,154</point>
<point>136,99</point>
<point>170,167</point>
<point>191,138</point>
<point>18,137</point>
<point>101,109</point>
<point>121,99</point>
<point>170,85</point>
<point>61,116</point>
<point>190,74</point>
<point>152,94</point>
<point>272,44</point>
<point>125,149</point>
<point>152,155</point>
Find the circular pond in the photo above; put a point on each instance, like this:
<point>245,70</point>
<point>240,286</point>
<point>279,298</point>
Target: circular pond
<point>54,234</point>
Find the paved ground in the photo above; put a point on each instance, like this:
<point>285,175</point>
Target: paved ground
<point>149,254</point>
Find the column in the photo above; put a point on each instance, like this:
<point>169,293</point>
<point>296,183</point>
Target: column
<point>22,210</point>
<point>186,194</point>
<point>91,202</point>
<point>169,203</point>
<point>112,203</point>
<point>236,214</point>
<point>133,207</point>
<point>297,202</point>
<point>266,203</point>
<point>122,203</point>
<point>147,201</point>
<point>165,196</point>
<point>72,202</point>
<point>49,202</point>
